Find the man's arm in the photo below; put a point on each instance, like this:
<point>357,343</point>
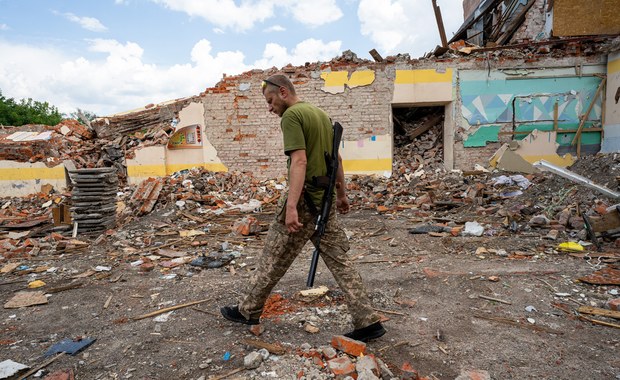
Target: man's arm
<point>297,177</point>
<point>342,202</point>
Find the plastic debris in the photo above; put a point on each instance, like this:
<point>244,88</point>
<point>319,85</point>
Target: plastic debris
<point>473,229</point>
<point>214,260</point>
<point>69,346</point>
<point>36,284</point>
<point>9,368</point>
<point>570,246</point>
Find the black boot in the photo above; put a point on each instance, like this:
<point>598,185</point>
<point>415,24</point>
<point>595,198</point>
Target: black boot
<point>232,313</point>
<point>367,333</point>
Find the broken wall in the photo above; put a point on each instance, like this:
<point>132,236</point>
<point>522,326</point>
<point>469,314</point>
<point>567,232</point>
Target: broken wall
<point>611,142</point>
<point>500,105</point>
<point>23,178</point>
<point>187,148</point>
<point>533,26</point>
<point>248,138</point>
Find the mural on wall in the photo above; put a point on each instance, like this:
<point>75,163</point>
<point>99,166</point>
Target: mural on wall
<point>186,137</point>
<point>535,105</point>
<point>528,100</point>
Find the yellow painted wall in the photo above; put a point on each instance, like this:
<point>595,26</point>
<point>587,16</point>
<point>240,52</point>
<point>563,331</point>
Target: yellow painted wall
<point>422,87</point>
<point>336,80</point>
<point>20,179</point>
<point>612,108</point>
<point>372,155</point>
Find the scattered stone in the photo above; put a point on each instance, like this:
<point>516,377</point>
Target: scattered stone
<point>341,366</point>
<point>473,374</point>
<point>329,352</point>
<point>257,330</point>
<point>252,360</point>
<point>310,328</point>
<point>367,364</point>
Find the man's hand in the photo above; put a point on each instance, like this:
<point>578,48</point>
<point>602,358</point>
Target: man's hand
<point>342,204</point>
<point>292,220</point>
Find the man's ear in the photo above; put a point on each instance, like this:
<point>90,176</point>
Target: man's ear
<point>283,92</point>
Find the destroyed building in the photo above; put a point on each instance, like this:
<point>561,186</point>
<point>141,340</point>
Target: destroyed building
<point>526,77</point>
<point>482,274</point>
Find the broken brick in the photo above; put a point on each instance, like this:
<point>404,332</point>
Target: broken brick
<point>257,330</point>
<point>614,304</point>
<point>367,363</point>
<point>341,367</point>
<point>348,345</point>
<point>408,372</point>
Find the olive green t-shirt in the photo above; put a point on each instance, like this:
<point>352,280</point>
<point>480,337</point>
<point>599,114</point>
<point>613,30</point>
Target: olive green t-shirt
<point>305,126</point>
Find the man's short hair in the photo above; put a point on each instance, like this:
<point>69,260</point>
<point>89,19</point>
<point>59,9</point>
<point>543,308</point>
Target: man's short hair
<point>274,82</point>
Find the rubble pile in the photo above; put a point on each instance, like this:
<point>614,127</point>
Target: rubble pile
<point>204,191</point>
<point>71,140</point>
<point>417,165</point>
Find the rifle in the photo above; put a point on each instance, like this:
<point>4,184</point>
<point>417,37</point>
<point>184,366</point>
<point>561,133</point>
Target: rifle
<point>328,183</point>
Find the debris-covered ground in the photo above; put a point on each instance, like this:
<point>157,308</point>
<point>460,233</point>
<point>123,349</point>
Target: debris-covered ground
<point>487,275</point>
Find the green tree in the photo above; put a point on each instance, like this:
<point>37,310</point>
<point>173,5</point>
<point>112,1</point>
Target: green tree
<point>27,111</point>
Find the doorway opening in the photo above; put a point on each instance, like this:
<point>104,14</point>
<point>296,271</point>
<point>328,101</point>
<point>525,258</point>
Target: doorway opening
<point>418,138</point>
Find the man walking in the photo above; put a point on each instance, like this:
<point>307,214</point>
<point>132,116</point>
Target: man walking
<point>308,135</point>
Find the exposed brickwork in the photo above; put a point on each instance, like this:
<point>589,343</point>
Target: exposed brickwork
<point>534,23</point>
<point>248,138</point>
<point>467,158</point>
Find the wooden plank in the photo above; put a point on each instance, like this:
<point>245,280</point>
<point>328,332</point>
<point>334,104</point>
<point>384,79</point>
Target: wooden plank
<point>555,116</point>
<point>598,311</point>
<point>585,130</point>
<point>275,349</point>
<point>605,222</point>
<point>167,309</point>
<point>442,31</point>
<point>580,18</point>
<point>587,114</point>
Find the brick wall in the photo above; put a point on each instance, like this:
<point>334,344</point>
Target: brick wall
<point>248,138</point>
<point>534,22</point>
<point>467,158</point>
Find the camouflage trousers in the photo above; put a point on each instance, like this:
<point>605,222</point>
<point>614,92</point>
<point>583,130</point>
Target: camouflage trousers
<point>280,250</point>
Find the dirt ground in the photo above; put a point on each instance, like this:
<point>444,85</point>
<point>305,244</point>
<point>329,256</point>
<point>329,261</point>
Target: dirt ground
<point>503,304</point>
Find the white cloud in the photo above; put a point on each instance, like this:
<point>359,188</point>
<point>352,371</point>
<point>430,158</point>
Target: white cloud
<point>275,28</point>
<point>4,27</point>
<point>227,14</point>
<point>309,50</point>
<point>120,81</point>
<point>315,12</point>
<point>88,23</point>
<point>406,26</point>
<point>224,13</point>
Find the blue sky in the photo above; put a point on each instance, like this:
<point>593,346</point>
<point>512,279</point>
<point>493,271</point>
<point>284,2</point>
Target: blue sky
<point>108,56</point>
